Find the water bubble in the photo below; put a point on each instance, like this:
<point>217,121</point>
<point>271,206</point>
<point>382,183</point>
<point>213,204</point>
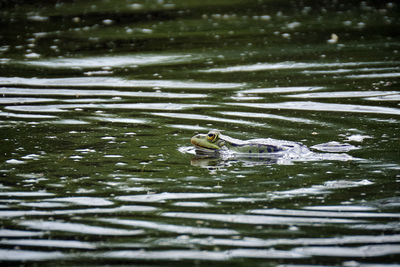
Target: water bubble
<point>347,22</point>
<point>306,10</point>
<point>265,17</point>
<point>147,31</point>
<point>136,6</point>
<point>293,25</point>
<point>38,18</point>
<point>15,161</point>
<point>361,25</point>
<point>32,55</point>
<point>390,5</point>
<point>334,39</point>
<point>108,21</point>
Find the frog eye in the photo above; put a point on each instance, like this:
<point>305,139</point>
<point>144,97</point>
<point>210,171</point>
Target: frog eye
<point>213,136</point>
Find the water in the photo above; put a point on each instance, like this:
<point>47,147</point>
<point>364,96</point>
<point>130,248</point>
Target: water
<point>100,100</point>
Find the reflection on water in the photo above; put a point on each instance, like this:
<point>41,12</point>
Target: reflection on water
<point>99,102</point>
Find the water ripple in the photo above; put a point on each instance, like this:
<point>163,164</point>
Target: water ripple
<point>259,219</point>
<point>132,106</point>
<point>356,252</point>
<point>180,229</point>
<point>30,255</point>
<point>335,147</point>
<point>346,94</point>
<point>201,254</point>
<point>289,65</point>
<point>259,242</point>
<point>316,106</point>
<point>319,189</point>
<point>121,120</point>
<point>85,92</point>
<point>19,233</point>
<point>23,100</point>
<point>337,71</point>
<point>394,97</point>
<point>48,243</point>
<point>85,201</point>
<point>274,90</point>
<point>268,116</point>
<point>26,116</point>
<point>110,61</point>
<point>114,82</point>
<point>162,197</point>
<point>26,194</point>
<point>197,117</point>
<point>324,214</point>
<point>341,208</point>
<point>120,209</point>
<point>374,75</point>
<point>77,228</point>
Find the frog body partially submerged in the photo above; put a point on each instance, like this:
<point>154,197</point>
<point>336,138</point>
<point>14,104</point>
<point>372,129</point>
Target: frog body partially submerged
<point>215,142</point>
<point>216,146</point>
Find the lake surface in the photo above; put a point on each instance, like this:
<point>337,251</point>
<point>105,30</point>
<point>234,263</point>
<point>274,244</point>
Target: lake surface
<point>99,101</point>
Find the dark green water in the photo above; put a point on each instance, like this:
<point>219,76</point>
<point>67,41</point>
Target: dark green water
<point>99,100</point>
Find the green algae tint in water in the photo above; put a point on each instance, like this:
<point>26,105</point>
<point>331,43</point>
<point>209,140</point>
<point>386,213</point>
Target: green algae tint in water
<point>99,101</point>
